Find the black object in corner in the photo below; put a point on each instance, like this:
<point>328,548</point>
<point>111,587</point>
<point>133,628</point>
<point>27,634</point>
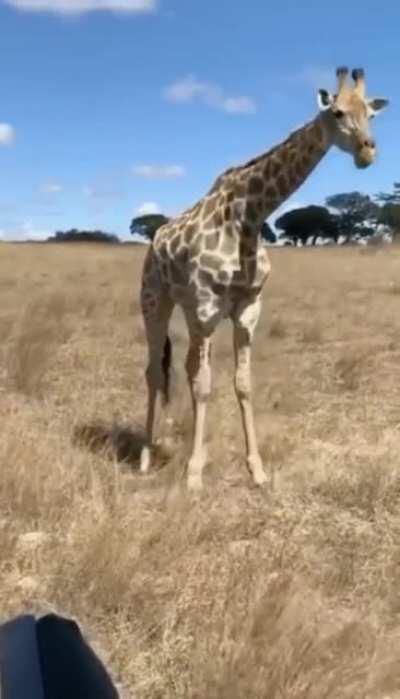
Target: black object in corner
<point>50,659</point>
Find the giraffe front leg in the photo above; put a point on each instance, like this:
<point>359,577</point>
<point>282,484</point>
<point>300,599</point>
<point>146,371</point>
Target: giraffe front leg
<point>245,321</point>
<point>199,375</point>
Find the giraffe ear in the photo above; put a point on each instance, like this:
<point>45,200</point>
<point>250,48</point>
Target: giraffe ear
<point>325,100</point>
<point>376,105</point>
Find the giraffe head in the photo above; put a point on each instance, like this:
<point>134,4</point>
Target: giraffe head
<point>347,115</point>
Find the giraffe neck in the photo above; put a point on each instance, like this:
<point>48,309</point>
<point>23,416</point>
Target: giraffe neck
<point>265,182</point>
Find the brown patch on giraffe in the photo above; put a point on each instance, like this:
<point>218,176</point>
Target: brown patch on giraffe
<point>218,220</point>
<point>209,224</point>
<point>230,196</point>
<point>210,261</point>
<point>276,167</point>
<point>177,274</point>
<point>267,170</point>
<point>305,161</point>
<point>298,169</point>
<point>256,186</point>
<point>227,213</point>
<point>212,240</point>
<point>271,193</point>
<point>246,248</point>
<point>240,190</point>
<point>259,204</point>
<point>196,246</point>
<point>162,249</point>
<point>223,277</point>
<point>147,264</point>
<point>190,231</point>
<point>209,206</point>
<point>205,278</point>
<point>247,230</point>
<point>251,269</point>
<point>174,244</point>
<point>251,212</point>
<point>319,133</point>
<point>218,289</point>
<point>183,255</point>
<point>282,185</point>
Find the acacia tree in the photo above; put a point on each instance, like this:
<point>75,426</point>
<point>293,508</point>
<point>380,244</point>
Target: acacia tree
<point>267,233</point>
<point>147,225</point>
<point>308,221</point>
<point>77,236</point>
<point>391,198</point>
<point>357,213</point>
<point>390,211</point>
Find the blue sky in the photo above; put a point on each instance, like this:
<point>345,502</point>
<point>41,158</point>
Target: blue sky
<point>112,107</point>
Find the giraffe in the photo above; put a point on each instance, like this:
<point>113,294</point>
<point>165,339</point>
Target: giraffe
<point>211,261</point>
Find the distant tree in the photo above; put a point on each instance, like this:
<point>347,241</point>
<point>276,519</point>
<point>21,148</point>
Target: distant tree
<point>390,198</point>
<point>309,221</point>
<point>390,211</point>
<point>76,236</point>
<point>390,216</point>
<point>147,225</point>
<point>357,214</point>
<point>267,233</point>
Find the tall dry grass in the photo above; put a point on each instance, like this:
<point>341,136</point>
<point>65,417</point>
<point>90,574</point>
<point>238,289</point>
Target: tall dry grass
<point>289,593</point>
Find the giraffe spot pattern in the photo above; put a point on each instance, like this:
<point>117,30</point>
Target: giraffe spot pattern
<point>251,212</point>
<point>282,185</point>
<point>210,261</point>
<point>256,186</point>
<point>212,241</point>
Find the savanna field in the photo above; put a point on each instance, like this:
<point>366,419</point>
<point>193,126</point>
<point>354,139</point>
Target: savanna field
<point>292,592</point>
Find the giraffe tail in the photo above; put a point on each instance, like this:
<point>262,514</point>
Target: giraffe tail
<point>166,368</point>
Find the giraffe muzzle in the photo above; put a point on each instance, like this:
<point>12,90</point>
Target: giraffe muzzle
<point>364,157</point>
<point>365,152</point>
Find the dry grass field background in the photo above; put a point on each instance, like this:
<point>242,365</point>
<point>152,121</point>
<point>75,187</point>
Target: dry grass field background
<point>292,592</point>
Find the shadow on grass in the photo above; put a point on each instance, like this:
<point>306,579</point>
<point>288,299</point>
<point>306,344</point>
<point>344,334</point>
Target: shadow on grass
<point>117,442</point>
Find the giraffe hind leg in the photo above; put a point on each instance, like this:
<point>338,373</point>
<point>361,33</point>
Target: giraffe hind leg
<point>157,309</point>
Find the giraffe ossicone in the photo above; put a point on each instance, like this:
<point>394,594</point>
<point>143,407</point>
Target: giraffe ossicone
<point>212,262</point>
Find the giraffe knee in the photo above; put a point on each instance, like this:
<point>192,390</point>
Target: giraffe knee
<point>202,385</point>
<point>242,385</point>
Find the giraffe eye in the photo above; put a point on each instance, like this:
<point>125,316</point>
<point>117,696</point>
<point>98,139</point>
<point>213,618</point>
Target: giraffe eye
<point>339,114</point>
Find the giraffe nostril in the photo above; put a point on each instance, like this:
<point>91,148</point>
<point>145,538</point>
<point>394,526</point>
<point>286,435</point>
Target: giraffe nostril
<point>369,143</point>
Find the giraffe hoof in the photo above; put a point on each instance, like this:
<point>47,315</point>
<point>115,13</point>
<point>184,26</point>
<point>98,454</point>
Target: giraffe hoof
<point>145,460</point>
<point>260,479</point>
<point>194,484</point>
<point>254,464</point>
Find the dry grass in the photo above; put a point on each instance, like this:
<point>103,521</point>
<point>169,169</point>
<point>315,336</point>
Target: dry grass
<point>286,594</point>
<point>277,328</point>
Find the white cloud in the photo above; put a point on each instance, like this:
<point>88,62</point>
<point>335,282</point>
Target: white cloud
<point>7,135</point>
<point>239,105</point>
<point>159,172</point>
<point>72,7</point>
<point>148,207</point>
<point>100,192</point>
<point>52,188</point>
<point>190,89</point>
